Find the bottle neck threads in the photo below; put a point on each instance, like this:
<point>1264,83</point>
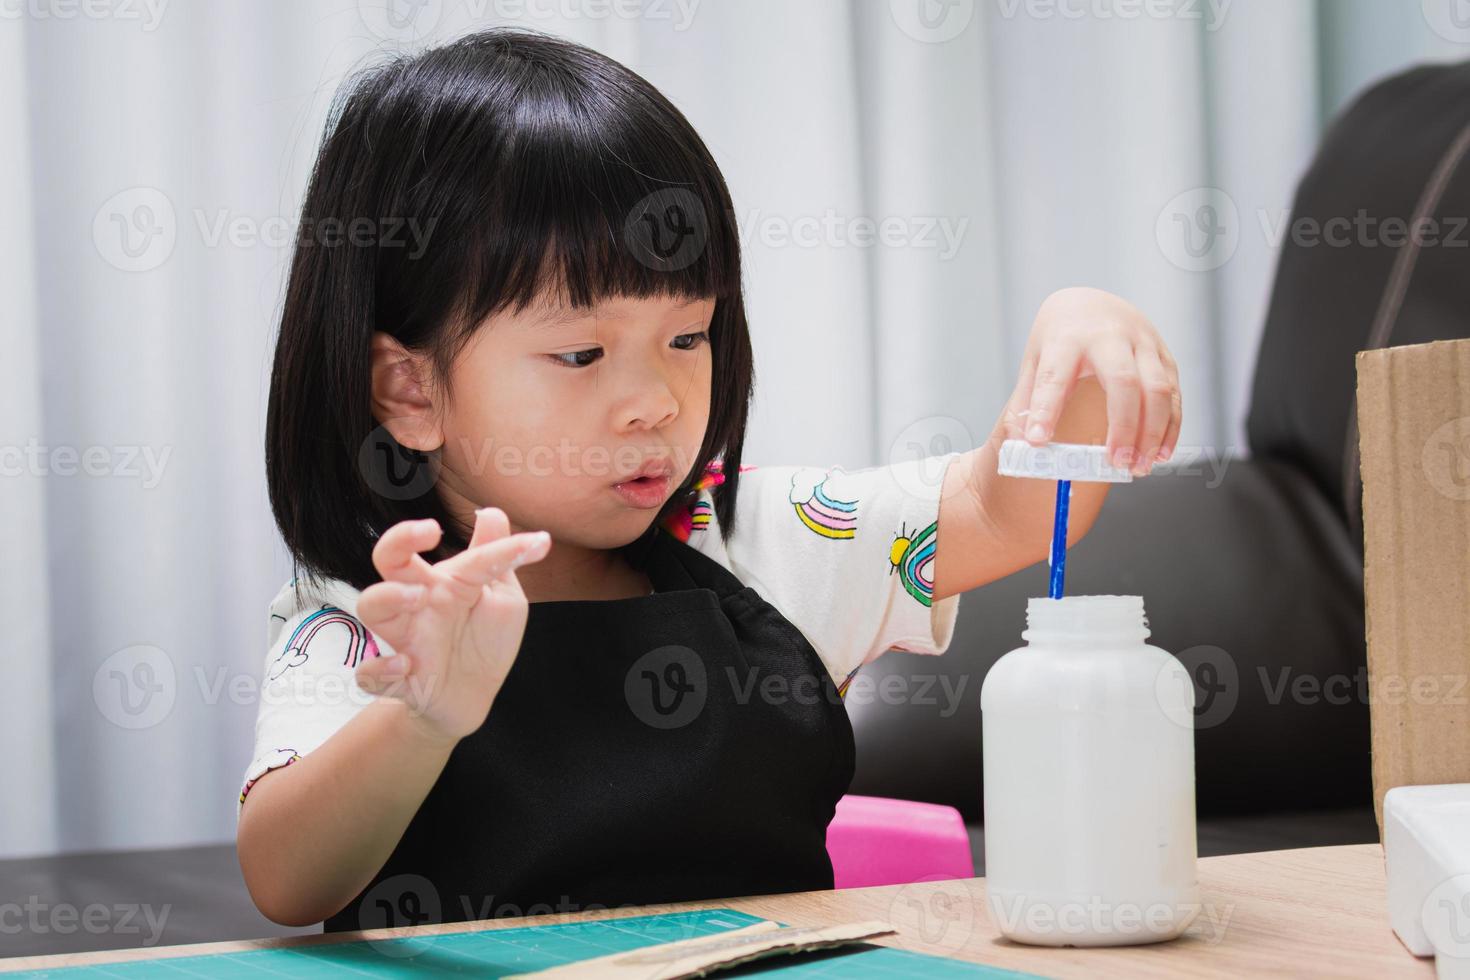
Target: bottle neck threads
<point>1086,620</point>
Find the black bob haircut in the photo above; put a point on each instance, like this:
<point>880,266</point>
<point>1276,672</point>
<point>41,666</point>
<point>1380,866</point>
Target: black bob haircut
<point>527,163</point>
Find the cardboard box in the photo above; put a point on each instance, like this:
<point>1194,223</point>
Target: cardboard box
<point>1414,440</point>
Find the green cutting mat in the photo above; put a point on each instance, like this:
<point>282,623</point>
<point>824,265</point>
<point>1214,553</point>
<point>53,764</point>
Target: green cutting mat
<point>497,952</point>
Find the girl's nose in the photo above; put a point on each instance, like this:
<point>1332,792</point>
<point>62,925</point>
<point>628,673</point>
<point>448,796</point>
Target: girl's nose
<point>651,402</point>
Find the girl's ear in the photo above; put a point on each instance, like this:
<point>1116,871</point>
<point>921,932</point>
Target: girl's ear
<point>402,395</point>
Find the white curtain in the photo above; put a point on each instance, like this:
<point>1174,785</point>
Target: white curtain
<point>912,178</point>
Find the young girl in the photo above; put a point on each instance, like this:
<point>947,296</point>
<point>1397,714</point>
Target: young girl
<point>550,645</point>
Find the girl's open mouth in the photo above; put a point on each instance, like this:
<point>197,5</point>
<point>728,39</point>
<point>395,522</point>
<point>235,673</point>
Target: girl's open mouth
<point>645,492</point>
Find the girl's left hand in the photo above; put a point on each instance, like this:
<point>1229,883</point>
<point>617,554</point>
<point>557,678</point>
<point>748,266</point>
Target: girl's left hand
<point>1085,333</point>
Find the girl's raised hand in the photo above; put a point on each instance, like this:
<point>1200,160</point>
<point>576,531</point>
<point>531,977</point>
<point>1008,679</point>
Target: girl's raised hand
<point>455,625</point>
<point>1088,333</point>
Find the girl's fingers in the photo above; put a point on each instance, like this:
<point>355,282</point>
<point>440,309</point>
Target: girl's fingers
<point>1176,417</point>
<point>383,602</point>
<point>396,555</point>
<point>490,524</point>
<point>1117,372</point>
<point>1158,391</point>
<point>387,675</point>
<point>1056,372</point>
<point>467,573</point>
<point>1013,421</point>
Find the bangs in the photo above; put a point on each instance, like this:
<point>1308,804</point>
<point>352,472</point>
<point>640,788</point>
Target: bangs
<point>592,202</point>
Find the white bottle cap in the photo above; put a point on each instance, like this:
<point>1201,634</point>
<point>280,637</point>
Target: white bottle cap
<point>1060,461</point>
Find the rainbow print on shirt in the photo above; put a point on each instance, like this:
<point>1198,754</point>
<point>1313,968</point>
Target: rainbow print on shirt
<point>822,512</point>
<point>360,645</point>
<point>912,556</point>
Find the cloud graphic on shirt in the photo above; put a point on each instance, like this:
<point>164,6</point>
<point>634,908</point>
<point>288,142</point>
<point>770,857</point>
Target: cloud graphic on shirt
<point>290,657</point>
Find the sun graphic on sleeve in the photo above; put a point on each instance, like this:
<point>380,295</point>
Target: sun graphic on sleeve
<point>912,556</point>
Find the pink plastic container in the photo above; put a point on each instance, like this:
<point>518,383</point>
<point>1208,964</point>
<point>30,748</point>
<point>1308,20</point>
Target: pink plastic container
<point>877,841</point>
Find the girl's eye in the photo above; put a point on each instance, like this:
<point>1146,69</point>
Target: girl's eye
<point>695,339</point>
<point>584,358</point>
<point>590,354</point>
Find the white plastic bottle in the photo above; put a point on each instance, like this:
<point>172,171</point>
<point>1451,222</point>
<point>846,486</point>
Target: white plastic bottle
<point>1089,780</point>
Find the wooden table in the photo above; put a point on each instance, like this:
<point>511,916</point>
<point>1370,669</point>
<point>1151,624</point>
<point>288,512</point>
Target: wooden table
<point>1318,910</point>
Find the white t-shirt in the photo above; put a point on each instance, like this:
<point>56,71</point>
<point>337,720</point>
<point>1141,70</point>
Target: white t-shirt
<point>847,557</point>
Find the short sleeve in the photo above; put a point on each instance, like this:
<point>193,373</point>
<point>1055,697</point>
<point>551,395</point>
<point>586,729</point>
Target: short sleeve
<point>847,557</point>
<point>308,689</point>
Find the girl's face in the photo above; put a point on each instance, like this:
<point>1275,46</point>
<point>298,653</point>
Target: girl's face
<point>553,407</point>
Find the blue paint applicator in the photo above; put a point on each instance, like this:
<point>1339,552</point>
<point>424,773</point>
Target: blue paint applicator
<point>1063,462</point>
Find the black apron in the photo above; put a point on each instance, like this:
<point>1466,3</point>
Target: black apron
<point>683,745</point>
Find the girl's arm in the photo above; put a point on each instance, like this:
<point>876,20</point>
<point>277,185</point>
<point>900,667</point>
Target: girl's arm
<point>313,834</point>
<point>1094,371</point>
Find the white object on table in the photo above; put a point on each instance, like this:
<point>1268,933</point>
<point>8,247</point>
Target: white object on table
<point>1426,850</point>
